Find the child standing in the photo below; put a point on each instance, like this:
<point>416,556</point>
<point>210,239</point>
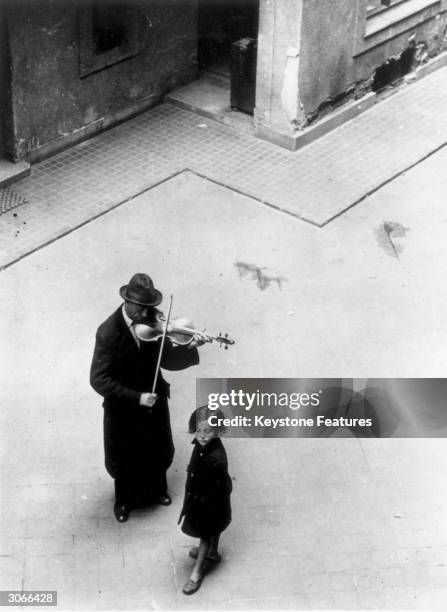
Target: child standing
<point>206,508</point>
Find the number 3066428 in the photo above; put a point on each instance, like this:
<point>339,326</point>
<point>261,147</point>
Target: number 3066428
<point>28,598</point>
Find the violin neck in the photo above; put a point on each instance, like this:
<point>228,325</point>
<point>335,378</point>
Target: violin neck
<point>190,331</point>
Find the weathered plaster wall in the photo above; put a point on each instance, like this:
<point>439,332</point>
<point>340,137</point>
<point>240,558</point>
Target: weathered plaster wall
<point>328,68</point>
<point>278,106</point>
<point>5,91</point>
<point>53,105</point>
<point>326,62</point>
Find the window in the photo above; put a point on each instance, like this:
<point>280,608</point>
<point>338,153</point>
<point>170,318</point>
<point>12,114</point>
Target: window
<point>380,20</point>
<point>375,6</point>
<point>108,33</point>
<point>109,27</point>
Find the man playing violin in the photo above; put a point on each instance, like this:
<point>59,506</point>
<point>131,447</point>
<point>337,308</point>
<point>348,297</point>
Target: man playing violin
<point>137,431</point>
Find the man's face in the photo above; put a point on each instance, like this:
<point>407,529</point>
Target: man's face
<point>140,314</point>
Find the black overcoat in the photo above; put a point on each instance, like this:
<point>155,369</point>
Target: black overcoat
<point>206,508</point>
<point>135,437</point>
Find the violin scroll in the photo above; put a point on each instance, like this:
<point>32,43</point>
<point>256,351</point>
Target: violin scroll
<point>224,340</point>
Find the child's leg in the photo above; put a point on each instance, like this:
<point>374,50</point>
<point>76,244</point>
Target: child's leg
<point>202,552</point>
<point>212,554</point>
<point>212,550</point>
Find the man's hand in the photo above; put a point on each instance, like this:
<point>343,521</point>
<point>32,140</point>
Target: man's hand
<point>196,341</point>
<point>148,399</point>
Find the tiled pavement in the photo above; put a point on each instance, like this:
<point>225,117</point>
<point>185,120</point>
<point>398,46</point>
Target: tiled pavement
<point>322,524</point>
<point>359,532</point>
<point>315,184</point>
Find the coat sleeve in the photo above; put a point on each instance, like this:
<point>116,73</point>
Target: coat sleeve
<point>178,357</point>
<point>102,373</point>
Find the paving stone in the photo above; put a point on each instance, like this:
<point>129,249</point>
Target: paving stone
<point>299,602</point>
<point>437,598</point>
<point>242,604</point>
<point>272,586</point>
<point>372,599</point>
<point>322,600</point>
<point>346,600</point>
<point>52,572</point>
<point>11,582</point>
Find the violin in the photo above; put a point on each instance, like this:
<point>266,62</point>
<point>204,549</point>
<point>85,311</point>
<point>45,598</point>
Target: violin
<point>180,331</point>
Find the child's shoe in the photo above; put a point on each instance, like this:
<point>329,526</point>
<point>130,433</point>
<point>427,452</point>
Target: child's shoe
<point>192,586</point>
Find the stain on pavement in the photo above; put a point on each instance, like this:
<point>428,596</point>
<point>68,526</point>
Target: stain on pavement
<point>386,235</point>
<point>257,274</point>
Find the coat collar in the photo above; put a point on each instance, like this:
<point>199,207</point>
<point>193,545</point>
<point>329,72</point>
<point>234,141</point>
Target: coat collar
<point>123,328</point>
<point>212,445</point>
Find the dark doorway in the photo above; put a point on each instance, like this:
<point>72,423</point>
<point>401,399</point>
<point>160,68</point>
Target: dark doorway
<point>221,23</point>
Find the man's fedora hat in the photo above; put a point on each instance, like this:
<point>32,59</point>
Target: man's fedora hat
<point>141,291</point>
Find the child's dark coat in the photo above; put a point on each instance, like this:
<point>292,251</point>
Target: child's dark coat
<point>206,507</point>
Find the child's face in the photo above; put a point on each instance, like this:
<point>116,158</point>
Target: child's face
<point>204,433</point>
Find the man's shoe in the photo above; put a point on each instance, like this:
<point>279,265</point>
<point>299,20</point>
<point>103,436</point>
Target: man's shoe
<point>121,513</point>
<point>165,500</point>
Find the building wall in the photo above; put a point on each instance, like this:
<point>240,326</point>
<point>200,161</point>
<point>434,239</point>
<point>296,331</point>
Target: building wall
<point>57,102</point>
<point>278,112</point>
<point>312,56</point>
<point>5,93</point>
<point>337,61</point>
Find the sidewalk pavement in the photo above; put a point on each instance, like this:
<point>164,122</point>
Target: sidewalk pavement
<point>318,524</point>
<point>315,184</point>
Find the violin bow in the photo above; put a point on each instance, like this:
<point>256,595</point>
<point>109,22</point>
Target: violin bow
<point>160,352</point>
